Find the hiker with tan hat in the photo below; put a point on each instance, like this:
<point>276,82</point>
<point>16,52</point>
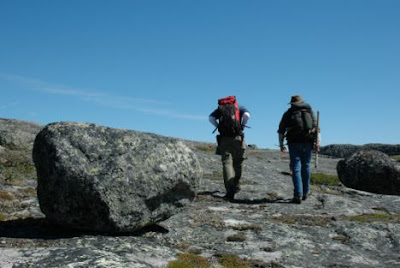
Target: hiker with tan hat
<point>298,126</point>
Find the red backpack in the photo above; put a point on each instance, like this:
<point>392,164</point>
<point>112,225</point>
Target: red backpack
<point>229,120</point>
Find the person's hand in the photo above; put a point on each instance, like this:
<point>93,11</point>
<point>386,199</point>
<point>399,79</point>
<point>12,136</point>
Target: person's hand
<point>317,147</point>
<point>283,149</point>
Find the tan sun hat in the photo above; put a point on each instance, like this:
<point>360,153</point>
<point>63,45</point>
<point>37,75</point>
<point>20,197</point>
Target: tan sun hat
<point>296,99</point>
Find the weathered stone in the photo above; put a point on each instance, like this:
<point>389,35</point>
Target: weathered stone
<point>102,179</point>
<point>16,134</point>
<point>370,171</point>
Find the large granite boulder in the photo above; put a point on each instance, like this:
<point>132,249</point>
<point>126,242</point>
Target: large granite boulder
<point>370,171</point>
<point>96,178</point>
<point>16,134</point>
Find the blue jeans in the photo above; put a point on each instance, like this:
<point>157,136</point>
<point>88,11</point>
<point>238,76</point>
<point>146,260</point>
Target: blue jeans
<point>300,161</point>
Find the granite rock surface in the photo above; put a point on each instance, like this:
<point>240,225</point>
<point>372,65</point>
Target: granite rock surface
<point>96,178</point>
<point>18,134</point>
<point>335,227</point>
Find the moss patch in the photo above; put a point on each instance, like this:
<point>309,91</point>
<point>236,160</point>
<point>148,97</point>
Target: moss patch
<point>206,148</point>
<point>326,190</point>
<point>396,157</point>
<point>232,261</point>
<point>6,196</point>
<point>16,166</point>
<point>3,217</point>
<point>324,179</point>
<point>17,173</point>
<point>188,260</point>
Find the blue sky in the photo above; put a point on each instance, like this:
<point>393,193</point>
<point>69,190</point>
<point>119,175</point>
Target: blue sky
<point>160,66</point>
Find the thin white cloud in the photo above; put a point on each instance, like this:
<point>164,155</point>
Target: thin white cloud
<point>45,87</point>
<point>101,98</point>
<point>127,103</point>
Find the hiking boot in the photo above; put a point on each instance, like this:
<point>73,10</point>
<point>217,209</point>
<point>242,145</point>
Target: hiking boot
<point>237,189</point>
<point>296,200</point>
<point>305,196</point>
<point>229,197</point>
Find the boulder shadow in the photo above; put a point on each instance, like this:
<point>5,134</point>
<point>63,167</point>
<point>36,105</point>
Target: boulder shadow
<point>217,195</point>
<point>41,228</point>
<point>261,201</point>
<point>210,193</point>
<point>34,228</point>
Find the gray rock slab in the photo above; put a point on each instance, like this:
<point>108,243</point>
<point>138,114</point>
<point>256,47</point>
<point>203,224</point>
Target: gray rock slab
<point>17,133</point>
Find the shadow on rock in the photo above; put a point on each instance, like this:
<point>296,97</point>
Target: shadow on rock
<point>217,195</point>
<point>42,229</point>
<point>261,201</point>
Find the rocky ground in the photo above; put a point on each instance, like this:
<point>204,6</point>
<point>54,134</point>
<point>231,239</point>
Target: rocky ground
<point>335,227</point>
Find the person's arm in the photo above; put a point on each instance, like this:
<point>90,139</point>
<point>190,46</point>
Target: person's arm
<point>244,115</point>
<point>281,133</point>
<point>213,120</point>
<point>282,147</point>
<point>245,118</point>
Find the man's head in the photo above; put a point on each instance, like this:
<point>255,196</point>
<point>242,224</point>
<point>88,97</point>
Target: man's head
<point>296,99</point>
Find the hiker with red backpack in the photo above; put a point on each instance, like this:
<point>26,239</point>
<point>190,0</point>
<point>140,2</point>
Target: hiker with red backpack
<point>230,119</point>
<point>298,125</point>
